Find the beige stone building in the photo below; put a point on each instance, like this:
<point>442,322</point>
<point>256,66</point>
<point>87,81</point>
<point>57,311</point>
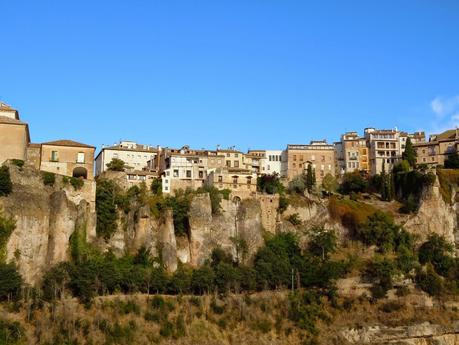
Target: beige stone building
<point>436,150</point>
<point>14,134</point>
<point>241,182</point>
<point>69,158</point>
<point>319,154</point>
<point>352,153</point>
<point>384,148</point>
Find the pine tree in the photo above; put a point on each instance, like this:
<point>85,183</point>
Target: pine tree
<point>410,153</point>
<point>310,178</point>
<point>383,182</point>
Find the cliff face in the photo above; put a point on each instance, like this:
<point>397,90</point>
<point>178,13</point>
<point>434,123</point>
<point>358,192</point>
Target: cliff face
<point>434,216</point>
<point>45,219</point>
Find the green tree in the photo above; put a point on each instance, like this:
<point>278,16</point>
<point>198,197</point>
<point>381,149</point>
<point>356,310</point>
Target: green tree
<point>203,279</point>
<point>10,281</point>
<point>270,184</point>
<point>310,178</point>
<point>437,251</point>
<point>116,164</point>
<point>452,161</point>
<point>329,183</point>
<point>298,184</point>
<point>7,226</point>
<point>156,186</point>
<point>106,198</point>
<point>410,153</point>
<point>5,181</point>
<point>322,242</point>
<point>353,182</point>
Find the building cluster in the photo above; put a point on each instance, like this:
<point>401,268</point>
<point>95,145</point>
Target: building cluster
<point>181,168</point>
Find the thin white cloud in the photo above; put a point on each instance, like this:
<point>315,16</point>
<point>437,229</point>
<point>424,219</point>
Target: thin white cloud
<point>446,110</point>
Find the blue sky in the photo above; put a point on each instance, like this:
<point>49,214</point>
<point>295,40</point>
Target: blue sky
<point>249,73</point>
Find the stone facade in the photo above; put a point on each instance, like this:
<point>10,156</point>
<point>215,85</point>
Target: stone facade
<point>14,135</point>
<point>319,154</point>
<point>69,158</point>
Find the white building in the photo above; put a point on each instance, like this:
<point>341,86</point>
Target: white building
<point>273,162</point>
<point>134,155</point>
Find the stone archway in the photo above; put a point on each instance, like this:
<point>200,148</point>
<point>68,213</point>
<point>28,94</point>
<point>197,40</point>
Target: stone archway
<point>80,172</point>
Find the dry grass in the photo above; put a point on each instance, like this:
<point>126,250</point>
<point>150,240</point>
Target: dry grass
<point>449,179</point>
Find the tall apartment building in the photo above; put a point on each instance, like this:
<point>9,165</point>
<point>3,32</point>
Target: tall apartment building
<point>319,154</point>
<point>352,153</point>
<point>384,148</point>
<point>134,155</point>
<point>436,150</point>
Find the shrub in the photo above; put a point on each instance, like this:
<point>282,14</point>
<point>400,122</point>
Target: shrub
<point>7,226</point>
<point>452,161</point>
<point>48,178</point>
<point>353,182</point>
<point>270,184</point>
<point>11,333</point>
<point>430,281</point>
<point>18,162</point>
<point>77,183</point>
<point>322,243</point>
<point>329,183</point>
<point>390,307</point>
<point>283,204</point>
<point>380,272</point>
<point>167,329</point>
<point>297,184</point>
<point>294,219</point>
<point>436,250</point>
<point>448,179</point>
<point>5,181</point>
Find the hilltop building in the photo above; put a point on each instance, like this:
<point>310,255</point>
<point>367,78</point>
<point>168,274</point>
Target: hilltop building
<point>136,156</point>
<point>14,134</point>
<point>319,154</point>
<point>436,150</point>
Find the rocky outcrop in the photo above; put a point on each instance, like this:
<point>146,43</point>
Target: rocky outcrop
<point>433,216</point>
<point>46,217</point>
<point>418,334</point>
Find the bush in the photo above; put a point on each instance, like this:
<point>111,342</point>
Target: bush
<point>283,204</point>
<point>215,197</point>
<point>6,186</point>
<point>294,219</point>
<point>180,205</point>
<point>430,281</point>
<point>77,183</point>
<point>436,251</point>
<point>353,182</point>
<point>18,162</point>
<point>352,214</point>
<point>11,333</point>
<point>48,178</point>
<point>297,184</point>
<point>7,226</point>
<point>270,184</point>
<point>380,272</point>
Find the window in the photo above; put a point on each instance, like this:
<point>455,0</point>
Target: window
<point>201,174</point>
<point>220,179</point>
<point>176,173</point>
<point>236,164</point>
<point>228,164</point>
<point>166,188</point>
<point>54,157</point>
<point>80,157</point>
<point>313,157</point>
<point>269,168</point>
<point>249,180</point>
<point>294,157</point>
<point>236,155</point>
<point>188,173</point>
<point>235,179</point>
